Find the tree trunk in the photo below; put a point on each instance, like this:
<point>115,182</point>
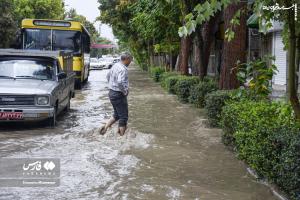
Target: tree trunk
<point>203,53</point>
<point>297,62</point>
<point>185,48</point>
<point>186,42</point>
<point>205,37</point>
<point>292,66</point>
<point>235,49</point>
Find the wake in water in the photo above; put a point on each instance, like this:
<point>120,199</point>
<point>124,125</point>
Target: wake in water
<point>92,166</point>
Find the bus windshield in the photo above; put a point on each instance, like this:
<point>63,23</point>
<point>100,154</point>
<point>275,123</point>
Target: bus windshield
<point>43,39</point>
<point>37,39</point>
<point>67,40</point>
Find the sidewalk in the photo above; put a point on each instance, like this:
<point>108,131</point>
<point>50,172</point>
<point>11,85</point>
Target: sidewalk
<point>187,160</point>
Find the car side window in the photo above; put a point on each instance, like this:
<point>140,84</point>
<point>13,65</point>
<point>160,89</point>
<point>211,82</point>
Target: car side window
<point>59,70</point>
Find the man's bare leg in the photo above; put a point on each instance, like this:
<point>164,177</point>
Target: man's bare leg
<point>104,128</point>
<point>122,130</point>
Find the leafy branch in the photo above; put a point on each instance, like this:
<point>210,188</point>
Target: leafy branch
<point>202,13</point>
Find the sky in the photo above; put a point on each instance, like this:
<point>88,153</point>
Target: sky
<point>89,9</point>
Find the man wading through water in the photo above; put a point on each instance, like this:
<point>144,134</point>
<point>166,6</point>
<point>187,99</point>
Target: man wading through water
<point>117,78</point>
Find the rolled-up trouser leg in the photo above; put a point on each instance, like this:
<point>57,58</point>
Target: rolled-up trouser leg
<point>120,105</point>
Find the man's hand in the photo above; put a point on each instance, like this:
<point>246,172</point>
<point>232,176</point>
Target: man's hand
<point>126,93</point>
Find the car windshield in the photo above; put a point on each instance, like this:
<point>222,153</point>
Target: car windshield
<point>108,59</point>
<point>42,39</point>
<point>94,60</point>
<point>27,69</point>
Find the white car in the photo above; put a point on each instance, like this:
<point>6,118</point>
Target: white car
<point>106,63</point>
<point>113,61</point>
<point>95,64</point>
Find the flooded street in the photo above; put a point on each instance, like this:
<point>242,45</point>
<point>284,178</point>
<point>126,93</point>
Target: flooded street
<point>166,154</point>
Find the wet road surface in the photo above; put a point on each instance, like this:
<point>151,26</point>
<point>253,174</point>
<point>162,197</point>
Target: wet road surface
<point>166,154</point>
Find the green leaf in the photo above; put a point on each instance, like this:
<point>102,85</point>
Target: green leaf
<point>191,26</point>
<point>200,19</point>
<point>198,8</point>
<point>183,31</point>
<point>189,17</point>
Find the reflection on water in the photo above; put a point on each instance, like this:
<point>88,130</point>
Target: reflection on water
<point>166,154</point>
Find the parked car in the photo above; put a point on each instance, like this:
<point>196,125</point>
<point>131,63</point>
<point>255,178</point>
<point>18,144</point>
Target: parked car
<point>95,64</point>
<point>111,61</point>
<point>116,60</point>
<point>105,62</point>
<point>35,85</point>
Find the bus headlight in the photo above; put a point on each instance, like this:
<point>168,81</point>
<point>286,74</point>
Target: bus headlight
<point>42,100</point>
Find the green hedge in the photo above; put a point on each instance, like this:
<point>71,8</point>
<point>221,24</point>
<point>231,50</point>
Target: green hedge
<point>268,139</point>
<point>199,91</point>
<point>214,102</point>
<point>170,84</point>
<point>184,85</point>
<point>166,75</point>
<point>156,73</point>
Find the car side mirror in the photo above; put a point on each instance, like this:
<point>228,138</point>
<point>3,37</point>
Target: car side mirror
<point>61,75</point>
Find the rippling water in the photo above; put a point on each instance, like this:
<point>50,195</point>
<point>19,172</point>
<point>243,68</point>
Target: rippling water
<point>92,166</point>
<point>167,153</point>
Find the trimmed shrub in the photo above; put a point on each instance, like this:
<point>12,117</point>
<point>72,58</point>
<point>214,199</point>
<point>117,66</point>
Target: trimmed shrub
<point>267,137</point>
<point>184,85</point>
<point>250,116</point>
<point>214,102</point>
<point>156,73</point>
<point>170,84</point>
<point>288,165</point>
<point>166,75</point>
<point>199,91</point>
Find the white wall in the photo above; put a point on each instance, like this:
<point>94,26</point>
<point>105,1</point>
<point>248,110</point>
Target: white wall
<point>281,59</point>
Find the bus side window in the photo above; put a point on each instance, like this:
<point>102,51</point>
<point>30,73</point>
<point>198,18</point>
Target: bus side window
<point>85,43</point>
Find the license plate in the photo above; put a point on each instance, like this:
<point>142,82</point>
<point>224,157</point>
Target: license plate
<point>11,115</point>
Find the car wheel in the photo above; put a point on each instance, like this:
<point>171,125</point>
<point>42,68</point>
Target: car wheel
<point>67,108</point>
<point>52,120</point>
<point>78,85</point>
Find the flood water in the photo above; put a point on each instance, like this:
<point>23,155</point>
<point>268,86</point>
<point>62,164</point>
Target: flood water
<point>167,152</point>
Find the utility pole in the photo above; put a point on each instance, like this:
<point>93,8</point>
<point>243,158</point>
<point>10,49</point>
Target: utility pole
<point>100,29</point>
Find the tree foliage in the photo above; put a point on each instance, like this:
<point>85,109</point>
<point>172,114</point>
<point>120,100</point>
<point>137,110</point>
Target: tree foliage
<point>267,11</point>
<point>12,12</point>
<point>39,9</point>
<point>7,23</point>
<point>72,15</point>
<point>143,24</point>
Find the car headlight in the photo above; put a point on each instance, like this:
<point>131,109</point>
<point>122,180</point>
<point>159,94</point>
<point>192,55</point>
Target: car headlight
<point>43,100</point>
